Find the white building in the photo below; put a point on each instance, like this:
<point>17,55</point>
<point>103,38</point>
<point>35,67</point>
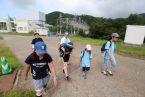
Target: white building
<point>6,25</point>
<point>135,34</point>
<point>32,21</point>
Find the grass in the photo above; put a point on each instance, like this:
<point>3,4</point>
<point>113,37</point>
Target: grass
<point>87,40</point>
<point>123,49</point>
<point>12,60</point>
<point>131,50</point>
<point>14,63</point>
<point>19,93</point>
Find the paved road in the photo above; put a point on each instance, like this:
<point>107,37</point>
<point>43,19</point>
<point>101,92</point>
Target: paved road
<point>128,80</point>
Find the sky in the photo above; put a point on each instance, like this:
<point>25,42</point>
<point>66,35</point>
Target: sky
<point>97,8</point>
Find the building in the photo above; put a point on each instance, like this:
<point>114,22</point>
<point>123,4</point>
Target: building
<point>29,22</point>
<point>135,35</point>
<point>7,25</point>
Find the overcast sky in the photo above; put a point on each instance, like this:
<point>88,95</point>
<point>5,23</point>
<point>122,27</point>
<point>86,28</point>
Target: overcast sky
<point>97,8</point>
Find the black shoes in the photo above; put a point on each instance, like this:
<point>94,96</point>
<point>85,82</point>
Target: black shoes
<point>68,78</point>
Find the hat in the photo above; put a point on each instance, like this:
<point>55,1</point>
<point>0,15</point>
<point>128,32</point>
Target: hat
<point>115,35</point>
<point>40,48</point>
<point>88,47</point>
<point>36,33</point>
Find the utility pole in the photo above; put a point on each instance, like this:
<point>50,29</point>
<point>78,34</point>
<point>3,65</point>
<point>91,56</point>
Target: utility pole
<point>67,24</point>
<point>74,25</point>
<point>57,25</point>
<point>60,23</point>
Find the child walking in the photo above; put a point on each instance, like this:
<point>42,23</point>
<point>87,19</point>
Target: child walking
<point>65,51</point>
<point>85,60</point>
<point>36,39</point>
<point>108,55</point>
<point>40,63</point>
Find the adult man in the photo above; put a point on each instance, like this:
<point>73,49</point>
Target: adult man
<point>65,50</point>
<point>65,39</point>
<point>108,55</point>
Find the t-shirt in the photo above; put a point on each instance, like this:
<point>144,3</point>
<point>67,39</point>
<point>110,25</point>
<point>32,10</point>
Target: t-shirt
<point>110,48</point>
<point>39,68</point>
<point>65,40</point>
<point>36,40</point>
<point>85,58</point>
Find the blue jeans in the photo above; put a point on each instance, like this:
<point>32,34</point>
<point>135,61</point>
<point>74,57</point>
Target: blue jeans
<point>106,64</point>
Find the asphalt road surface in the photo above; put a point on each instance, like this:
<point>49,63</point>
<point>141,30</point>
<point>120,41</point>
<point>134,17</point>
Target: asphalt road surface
<point>127,81</point>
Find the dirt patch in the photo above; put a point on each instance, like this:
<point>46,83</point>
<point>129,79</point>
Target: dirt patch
<point>7,81</point>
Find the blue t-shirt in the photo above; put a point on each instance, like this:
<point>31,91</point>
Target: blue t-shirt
<point>85,59</point>
<point>110,48</point>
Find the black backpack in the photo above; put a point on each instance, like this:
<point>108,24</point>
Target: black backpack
<point>103,46</point>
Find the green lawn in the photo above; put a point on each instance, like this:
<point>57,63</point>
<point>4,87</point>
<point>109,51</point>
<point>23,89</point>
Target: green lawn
<point>121,48</point>
<point>19,93</point>
<point>14,63</point>
<point>87,40</point>
<point>12,60</point>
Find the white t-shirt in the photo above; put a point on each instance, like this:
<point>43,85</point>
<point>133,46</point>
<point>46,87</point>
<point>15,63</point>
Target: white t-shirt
<point>64,40</point>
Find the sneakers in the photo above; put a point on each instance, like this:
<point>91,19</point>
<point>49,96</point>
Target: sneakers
<point>104,72</point>
<point>110,72</point>
<point>67,78</point>
<point>107,73</point>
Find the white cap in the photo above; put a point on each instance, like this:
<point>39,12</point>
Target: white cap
<point>115,35</point>
<point>66,33</point>
<point>88,47</point>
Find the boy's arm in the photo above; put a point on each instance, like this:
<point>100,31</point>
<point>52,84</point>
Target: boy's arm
<point>108,53</point>
<point>53,70</point>
<point>27,68</point>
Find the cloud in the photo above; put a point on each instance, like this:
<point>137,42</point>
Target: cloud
<point>97,8</point>
<point>23,3</point>
<point>119,8</point>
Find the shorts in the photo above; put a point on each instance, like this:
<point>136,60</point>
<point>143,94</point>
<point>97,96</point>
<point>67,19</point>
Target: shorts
<point>66,58</point>
<point>85,68</point>
<point>40,83</point>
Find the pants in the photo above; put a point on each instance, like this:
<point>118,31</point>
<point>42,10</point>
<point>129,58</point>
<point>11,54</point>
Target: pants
<point>39,84</point>
<point>106,64</point>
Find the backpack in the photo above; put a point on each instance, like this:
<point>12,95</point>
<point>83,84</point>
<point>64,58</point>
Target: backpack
<point>103,47</point>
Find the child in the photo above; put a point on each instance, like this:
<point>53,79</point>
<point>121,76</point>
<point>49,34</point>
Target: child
<point>65,50</point>
<point>108,55</point>
<point>85,60</point>
<point>36,39</point>
<point>65,39</point>
<point>40,63</point>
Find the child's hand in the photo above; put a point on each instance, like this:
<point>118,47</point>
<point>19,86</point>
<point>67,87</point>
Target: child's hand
<point>111,59</point>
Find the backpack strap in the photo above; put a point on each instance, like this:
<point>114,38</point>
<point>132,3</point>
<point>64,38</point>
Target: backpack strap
<point>110,43</point>
<point>109,46</point>
<point>83,53</point>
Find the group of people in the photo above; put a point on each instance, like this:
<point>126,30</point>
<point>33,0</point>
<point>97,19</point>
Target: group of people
<point>41,63</point>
